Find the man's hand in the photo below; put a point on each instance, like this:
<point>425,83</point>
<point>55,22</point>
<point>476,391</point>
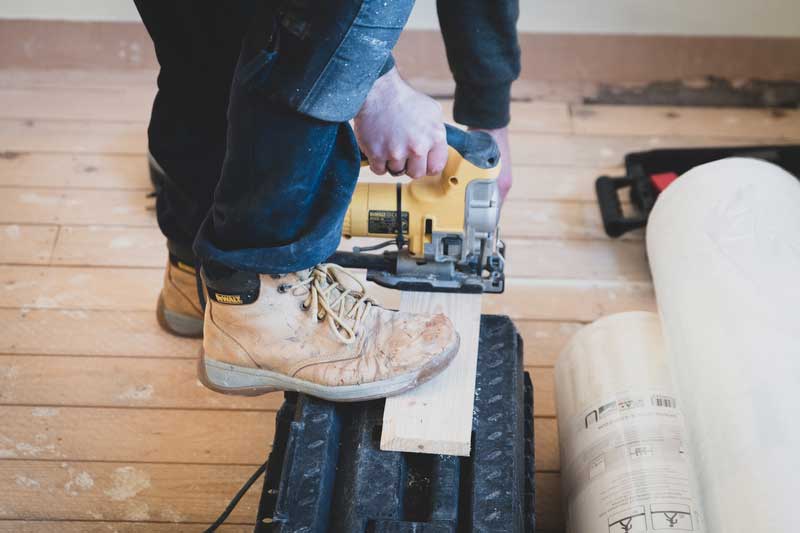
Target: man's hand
<point>401,130</point>
<point>500,136</point>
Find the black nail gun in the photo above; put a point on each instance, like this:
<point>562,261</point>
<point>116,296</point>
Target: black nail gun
<point>649,173</point>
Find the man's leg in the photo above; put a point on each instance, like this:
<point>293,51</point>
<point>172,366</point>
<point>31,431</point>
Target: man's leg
<point>276,319</point>
<point>197,43</point>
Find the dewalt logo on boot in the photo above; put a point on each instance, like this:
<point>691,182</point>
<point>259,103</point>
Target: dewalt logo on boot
<point>230,299</point>
<point>234,292</point>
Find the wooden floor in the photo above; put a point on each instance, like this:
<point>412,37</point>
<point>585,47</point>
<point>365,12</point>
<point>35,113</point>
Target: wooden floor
<point>103,425</point>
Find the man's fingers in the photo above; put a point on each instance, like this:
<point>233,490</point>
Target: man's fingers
<point>377,166</point>
<point>396,167</point>
<point>437,159</point>
<point>417,166</point>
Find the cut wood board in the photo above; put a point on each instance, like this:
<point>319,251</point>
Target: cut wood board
<point>436,417</point>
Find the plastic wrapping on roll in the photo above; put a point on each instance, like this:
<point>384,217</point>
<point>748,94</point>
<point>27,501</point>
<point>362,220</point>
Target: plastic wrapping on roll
<point>624,464</point>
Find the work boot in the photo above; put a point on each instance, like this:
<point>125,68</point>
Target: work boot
<point>316,332</point>
<point>179,310</point>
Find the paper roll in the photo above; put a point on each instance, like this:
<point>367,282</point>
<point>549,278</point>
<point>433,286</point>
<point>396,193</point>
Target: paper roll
<point>724,249</point>
<point>624,465</point>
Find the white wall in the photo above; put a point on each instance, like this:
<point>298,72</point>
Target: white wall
<point>777,18</point>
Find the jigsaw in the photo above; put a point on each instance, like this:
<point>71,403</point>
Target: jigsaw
<point>444,228</point>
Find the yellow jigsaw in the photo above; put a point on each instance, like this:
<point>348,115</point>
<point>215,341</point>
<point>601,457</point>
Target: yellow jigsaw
<point>445,227</point>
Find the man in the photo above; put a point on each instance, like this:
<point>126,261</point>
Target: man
<point>257,196</point>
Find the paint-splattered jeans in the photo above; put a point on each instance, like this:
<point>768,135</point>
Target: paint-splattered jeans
<point>270,195</point>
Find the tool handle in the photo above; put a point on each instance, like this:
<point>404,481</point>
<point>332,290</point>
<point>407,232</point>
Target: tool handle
<point>477,147</point>
<point>614,220</point>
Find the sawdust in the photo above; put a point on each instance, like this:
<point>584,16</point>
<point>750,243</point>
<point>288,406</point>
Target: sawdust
<point>45,412</point>
<point>140,392</point>
<point>171,515</point>
<point>127,482</point>
<point>80,481</point>
<point>28,483</point>
<point>41,199</point>
<point>137,511</point>
<point>12,232</point>
<point>121,242</point>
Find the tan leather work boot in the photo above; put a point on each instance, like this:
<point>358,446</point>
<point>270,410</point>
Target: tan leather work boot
<point>317,332</point>
<point>179,310</point>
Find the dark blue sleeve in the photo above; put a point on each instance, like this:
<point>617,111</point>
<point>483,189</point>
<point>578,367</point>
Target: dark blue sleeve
<point>484,56</point>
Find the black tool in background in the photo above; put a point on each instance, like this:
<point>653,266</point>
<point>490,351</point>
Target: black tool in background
<point>648,173</point>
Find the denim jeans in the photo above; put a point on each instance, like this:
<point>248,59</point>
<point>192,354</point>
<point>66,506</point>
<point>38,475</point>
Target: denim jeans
<point>263,188</point>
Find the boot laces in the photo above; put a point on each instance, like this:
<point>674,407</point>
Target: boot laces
<point>333,301</point>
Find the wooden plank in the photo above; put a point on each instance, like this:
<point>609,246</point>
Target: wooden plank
<point>80,288</point>
<point>133,208</point>
<point>583,260</point>
<point>43,490</point>
<point>221,436</point>
<point>527,258</point>
<point>545,340</point>
<point>436,417</point>
<point>76,206</point>
<point>545,436</point>
<point>85,103</point>
<point>65,383</point>
<point>26,244</point>
<point>127,289</point>
<point>94,171</point>
<point>80,136</point>
<point>136,334</point>
<point>110,246</point>
<point>73,78</point>
<point>63,526</point>
<point>549,513</point>
<point>569,300</point>
<point>77,381</point>
<point>686,121</point>
<point>119,171</point>
<point>538,116</point>
<point>543,182</point>
<point>117,333</point>
<point>150,383</point>
<point>133,104</point>
<point>90,332</point>
<point>604,150</point>
<point>136,435</point>
<point>555,220</point>
<point>117,137</point>
<point>544,399</point>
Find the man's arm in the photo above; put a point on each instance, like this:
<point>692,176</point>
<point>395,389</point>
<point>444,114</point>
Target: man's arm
<point>484,56</point>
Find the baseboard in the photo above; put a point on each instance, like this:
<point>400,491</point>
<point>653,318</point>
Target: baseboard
<point>563,59</point>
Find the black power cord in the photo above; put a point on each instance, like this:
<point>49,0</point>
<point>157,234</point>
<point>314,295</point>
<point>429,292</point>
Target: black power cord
<point>235,500</point>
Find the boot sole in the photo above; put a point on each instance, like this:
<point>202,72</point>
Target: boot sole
<point>178,323</point>
<point>232,379</point>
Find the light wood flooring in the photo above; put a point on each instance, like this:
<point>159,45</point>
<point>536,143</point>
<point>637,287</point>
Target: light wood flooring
<point>103,425</point>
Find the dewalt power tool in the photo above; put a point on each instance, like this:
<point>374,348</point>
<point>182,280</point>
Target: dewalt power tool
<point>444,227</point>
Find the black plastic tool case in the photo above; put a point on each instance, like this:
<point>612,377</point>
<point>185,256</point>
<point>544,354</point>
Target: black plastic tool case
<point>641,166</point>
<point>326,472</point>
